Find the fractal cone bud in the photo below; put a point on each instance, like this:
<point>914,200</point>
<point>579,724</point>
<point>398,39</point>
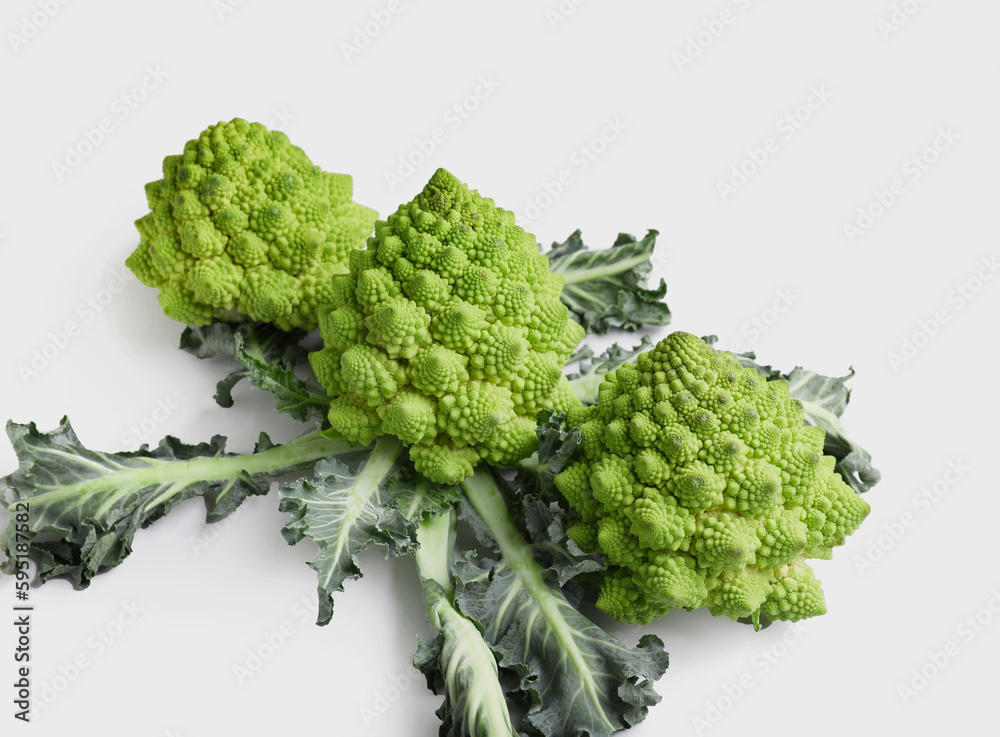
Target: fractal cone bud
<point>243,226</point>
<point>702,487</point>
<point>451,313</point>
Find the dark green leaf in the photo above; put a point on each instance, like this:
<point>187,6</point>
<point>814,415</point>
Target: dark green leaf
<point>417,497</point>
<point>457,661</point>
<point>545,529</point>
<point>90,504</point>
<point>209,341</point>
<point>344,511</point>
<point>575,679</point>
<point>556,447</point>
<point>268,357</point>
<point>606,288</point>
<point>299,398</point>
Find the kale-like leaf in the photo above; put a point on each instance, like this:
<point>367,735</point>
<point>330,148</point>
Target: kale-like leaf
<point>575,678</point>
<point>824,399</point>
<point>268,357</point>
<point>557,445</point>
<point>417,497</point>
<point>210,341</point>
<point>606,288</point>
<point>87,505</point>
<point>457,661</point>
<point>344,510</point>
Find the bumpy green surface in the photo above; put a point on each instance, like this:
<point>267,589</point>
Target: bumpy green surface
<point>702,488</point>
<point>243,225</point>
<point>447,333</point>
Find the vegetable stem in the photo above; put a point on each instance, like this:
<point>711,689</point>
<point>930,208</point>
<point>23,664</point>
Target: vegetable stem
<point>575,276</point>
<point>370,478</point>
<point>436,538</point>
<point>482,492</point>
<point>177,475</point>
<point>469,668</point>
<point>585,386</point>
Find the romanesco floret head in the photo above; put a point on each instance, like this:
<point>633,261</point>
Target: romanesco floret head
<point>450,313</point>
<point>243,225</point>
<point>702,487</point>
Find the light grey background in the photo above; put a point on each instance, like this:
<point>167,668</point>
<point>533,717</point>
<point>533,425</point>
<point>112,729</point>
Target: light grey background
<point>682,93</point>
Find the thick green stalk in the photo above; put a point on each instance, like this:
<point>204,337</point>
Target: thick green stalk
<point>585,387</point>
<point>575,276</point>
<point>475,697</point>
<point>436,536</point>
<point>482,492</point>
<point>364,488</point>
<point>174,476</point>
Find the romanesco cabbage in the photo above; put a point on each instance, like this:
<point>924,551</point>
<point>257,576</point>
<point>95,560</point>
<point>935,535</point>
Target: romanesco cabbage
<point>700,484</point>
<point>447,333</point>
<point>243,225</point>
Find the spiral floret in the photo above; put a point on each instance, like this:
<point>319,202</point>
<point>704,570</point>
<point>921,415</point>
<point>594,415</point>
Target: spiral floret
<point>243,226</point>
<point>451,313</point>
<point>701,486</point>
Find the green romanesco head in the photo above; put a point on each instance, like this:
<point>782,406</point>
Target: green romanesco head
<point>243,225</point>
<point>448,333</point>
<point>702,487</point>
